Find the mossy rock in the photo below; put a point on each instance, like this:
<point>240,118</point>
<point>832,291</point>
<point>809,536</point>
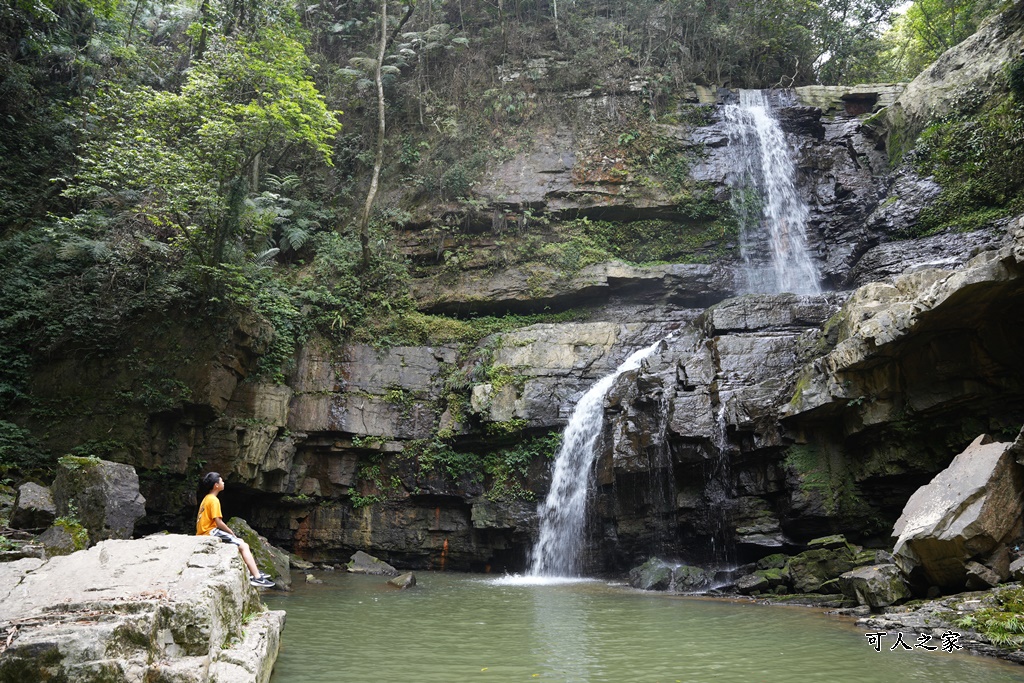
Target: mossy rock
<point>652,575</point>
<point>811,569</point>
<point>76,462</point>
<point>64,537</point>
<point>776,561</point>
<point>100,495</point>
<point>833,542</point>
<point>776,576</point>
<point>689,579</point>
<point>832,600</point>
<point>297,562</point>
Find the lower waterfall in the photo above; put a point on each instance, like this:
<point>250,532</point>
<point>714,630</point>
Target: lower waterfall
<point>563,512</point>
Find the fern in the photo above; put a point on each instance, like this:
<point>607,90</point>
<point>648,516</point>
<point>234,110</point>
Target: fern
<point>1002,624</point>
<point>293,236</point>
<point>265,257</point>
<point>283,184</point>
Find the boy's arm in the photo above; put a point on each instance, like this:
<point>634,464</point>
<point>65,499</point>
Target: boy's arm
<point>222,526</point>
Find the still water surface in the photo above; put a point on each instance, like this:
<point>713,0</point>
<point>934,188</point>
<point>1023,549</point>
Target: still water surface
<point>461,627</point>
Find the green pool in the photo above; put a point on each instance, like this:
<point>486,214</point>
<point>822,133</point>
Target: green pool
<point>465,627</point>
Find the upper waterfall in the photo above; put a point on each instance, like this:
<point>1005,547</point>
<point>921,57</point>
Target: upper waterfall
<point>773,217</point>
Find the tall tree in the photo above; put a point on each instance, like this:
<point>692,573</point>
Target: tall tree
<point>378,160</point>
<point>927,29</point>
<point>847,34</point>
<point>180,163</point>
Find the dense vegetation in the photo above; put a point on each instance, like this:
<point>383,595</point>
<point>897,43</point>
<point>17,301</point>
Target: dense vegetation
<point>193,160</point>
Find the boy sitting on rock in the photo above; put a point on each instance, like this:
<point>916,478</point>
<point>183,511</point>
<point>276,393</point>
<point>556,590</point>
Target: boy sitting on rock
<point>210,522</point>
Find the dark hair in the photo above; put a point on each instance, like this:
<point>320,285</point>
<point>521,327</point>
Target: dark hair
<point>208,481</point>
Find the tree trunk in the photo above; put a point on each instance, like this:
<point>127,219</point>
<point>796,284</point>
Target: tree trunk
<point>364,228</point>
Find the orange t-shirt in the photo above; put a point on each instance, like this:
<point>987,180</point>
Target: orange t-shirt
<point>209,511</point>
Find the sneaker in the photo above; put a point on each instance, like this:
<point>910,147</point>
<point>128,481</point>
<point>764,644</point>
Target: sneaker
<point>264,575</point>
<point>260,582</point>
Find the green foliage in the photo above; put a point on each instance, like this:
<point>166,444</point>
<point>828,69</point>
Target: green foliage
<point>977,155</point>
<point>360,501</point>
<point>62,290</point>
<point>437,456</point>
<point>78,462</point>
<point>846,37</point>
<point>91,452</point>
<point>826,476</point>
<point>927,29</point>
<point>1015,78</point>
<point>502,470</point>
<point>1002,624</point>
<point>811,466</point>
<point>176,163</point>
<point>501,376</point>
<point>79,534</point>
<point>506,428</point>
<point>19,450</point>
<point>410,327</point>
<point>643,242</point>
<point>508,467</point>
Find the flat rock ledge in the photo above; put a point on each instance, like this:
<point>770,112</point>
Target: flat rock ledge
<point>161,609</point>
<point>939,616</point>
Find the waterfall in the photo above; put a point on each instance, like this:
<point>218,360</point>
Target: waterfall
<point>563,513</point>
<point>773,217</point>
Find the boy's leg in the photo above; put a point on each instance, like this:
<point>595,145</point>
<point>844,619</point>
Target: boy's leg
<point>243,549</point>
<point>249,560</point>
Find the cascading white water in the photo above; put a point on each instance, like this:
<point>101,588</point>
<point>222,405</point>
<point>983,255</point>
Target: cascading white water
<point>773,217</point>
<point>563,513</point>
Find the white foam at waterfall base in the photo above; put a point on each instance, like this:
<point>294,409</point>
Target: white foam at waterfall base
<point>772,215</point>
<point>529,580</point>
<point>563,512</point>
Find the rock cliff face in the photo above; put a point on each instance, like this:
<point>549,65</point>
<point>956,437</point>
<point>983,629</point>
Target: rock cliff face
<point>761,421</point>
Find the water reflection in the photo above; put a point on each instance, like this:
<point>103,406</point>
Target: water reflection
<point>562,633</point>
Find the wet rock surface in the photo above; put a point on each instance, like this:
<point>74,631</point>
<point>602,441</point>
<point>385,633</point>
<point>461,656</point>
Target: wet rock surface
<point>876,586</point>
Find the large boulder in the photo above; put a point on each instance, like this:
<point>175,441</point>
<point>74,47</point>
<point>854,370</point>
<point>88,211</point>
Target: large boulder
<point>103,496</point>
<point>763,581</point>
<point>658,575</point>
<point>815,570</point>
<point>877,585</point>
<point>362,563</point>
<point>163,608</point>
<point>652,575</point>
<point>34,508</point>
<point>973,68</point>
<point>965,512</point>
<point>403,582</point>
